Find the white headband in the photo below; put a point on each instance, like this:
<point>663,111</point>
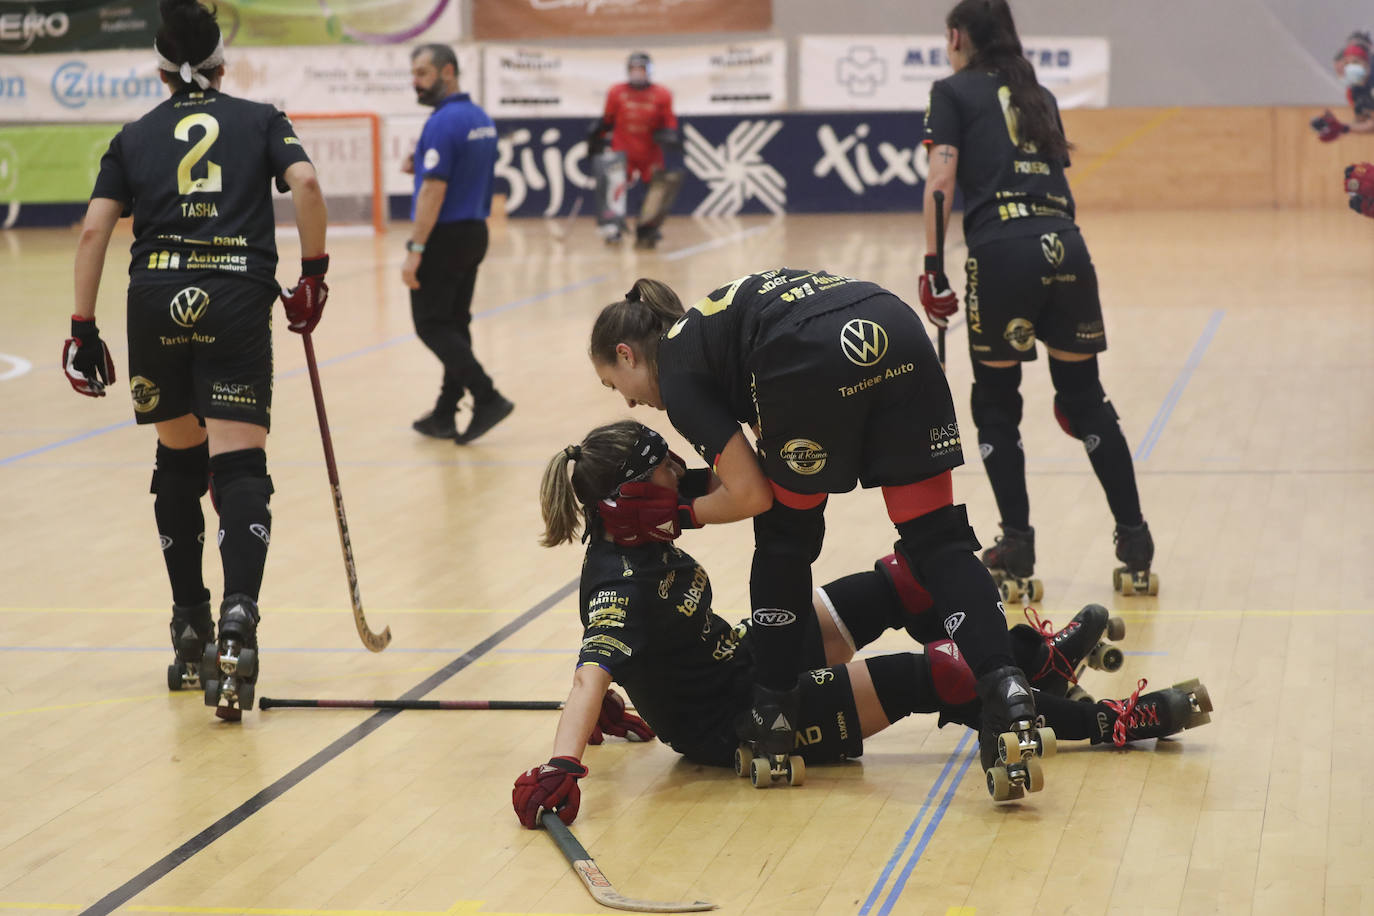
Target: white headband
<point>189,72</point>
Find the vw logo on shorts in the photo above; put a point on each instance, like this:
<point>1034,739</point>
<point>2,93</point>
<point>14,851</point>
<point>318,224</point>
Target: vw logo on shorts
<point>1053,248</point>
<point>189,305</point>
<point>804,456</point>
<point>1020,333</point>
<point>864,342</point>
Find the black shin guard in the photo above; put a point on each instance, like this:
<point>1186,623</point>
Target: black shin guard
<point>241,490</point>
<point>1082,408</point>
<point>997,416</point>
<point>939,549</point>
<point>786,543</point>
<point>180,478</point>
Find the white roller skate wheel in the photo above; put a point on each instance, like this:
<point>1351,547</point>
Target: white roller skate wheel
<point>1116,580</point>
<point>1009,590</point>
<point>1049,742</point>
<point>1008,747</point>
<point>796,770</point>
<point>1116,629</point>
<point>1037,590</point>
<point>743,757</point>
<point>1154,584</point>
<point>1079,695</point>
<point>760,774</point>
<point>1127,586</point>
<point>1035,775</point>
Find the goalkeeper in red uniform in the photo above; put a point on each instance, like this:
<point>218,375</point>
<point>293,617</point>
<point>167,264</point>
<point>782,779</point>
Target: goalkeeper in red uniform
<point>639,116</point>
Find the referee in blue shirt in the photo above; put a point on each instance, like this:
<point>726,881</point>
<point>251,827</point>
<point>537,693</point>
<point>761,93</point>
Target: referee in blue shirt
<point>453,165</point>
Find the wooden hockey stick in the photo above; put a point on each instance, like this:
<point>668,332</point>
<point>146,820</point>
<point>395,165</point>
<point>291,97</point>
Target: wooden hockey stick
<point>275,703</point>
<point>375,642</point>
<point>940,264</point>
<point>598,885</point>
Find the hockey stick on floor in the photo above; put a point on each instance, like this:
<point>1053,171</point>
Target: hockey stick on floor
<point>274,703</point>
<point>374,642</point>
<point>598,885</point>
<point>940,264</point>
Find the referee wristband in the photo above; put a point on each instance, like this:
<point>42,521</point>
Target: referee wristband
<point>415,247</point>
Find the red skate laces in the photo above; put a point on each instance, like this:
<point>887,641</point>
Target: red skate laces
<point>1124,711</point>
<point>1057,661</point>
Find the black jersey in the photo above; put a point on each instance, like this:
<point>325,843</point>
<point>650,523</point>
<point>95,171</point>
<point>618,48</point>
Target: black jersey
<point>646,614</point>
<point>196,174</point>
<point>1362,98</point>
<point>1009,189</point>
<point>704,372</point>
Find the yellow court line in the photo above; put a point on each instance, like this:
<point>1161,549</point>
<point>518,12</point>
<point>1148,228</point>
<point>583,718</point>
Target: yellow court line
<point>461,908</point>
<point>1124,142</point>
<point>961,911</point>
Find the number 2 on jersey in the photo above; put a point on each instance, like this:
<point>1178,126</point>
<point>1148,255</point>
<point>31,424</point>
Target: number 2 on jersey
<point>213,182</point>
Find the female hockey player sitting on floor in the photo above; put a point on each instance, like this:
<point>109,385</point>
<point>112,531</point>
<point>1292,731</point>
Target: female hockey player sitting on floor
<point>645,607</point>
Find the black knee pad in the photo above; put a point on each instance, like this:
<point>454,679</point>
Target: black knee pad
<point>946,528</point>
<point>792,532</point>
<point>1080,404</point>
<point>996,398</point>
<point>181,470</point>
<point>240,473</point>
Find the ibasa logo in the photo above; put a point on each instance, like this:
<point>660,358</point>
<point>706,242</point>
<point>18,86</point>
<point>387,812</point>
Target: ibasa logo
<point>75,85</point>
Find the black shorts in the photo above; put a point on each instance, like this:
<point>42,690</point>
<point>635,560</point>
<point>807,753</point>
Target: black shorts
<point>1033,287</point>
<point>202,347</point>
<point>828,721</point>
<point>852,394</point>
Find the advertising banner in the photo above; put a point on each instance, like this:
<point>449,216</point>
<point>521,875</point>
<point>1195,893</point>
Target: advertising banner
<point>521,20</point>
<point>783,163</point>
<point>51,164</point>
<point>49,26</point>
<point>738,78</point>
<point>893,72</point>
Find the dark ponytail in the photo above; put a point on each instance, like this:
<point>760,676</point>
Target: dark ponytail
<point>567,499</point>
<point>997,48</point>
<point>189,34</point>
<point>648,309</point>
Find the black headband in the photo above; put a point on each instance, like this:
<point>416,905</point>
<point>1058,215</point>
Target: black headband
<point>648,453</point>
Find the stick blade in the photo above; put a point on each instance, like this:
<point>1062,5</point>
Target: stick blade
<point>599,886</point>
<point>375,642</point>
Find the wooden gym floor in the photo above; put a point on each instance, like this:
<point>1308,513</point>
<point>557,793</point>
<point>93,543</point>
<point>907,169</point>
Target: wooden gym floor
<point>1241,368</point>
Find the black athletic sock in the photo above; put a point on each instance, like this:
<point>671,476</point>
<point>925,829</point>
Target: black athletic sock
<point>780,592</point>
<point>1071,720</point>
<point>1105,443</point>
<point>180,479</point>
<point>242,490</point>
<point>997,415</point>
<point>865,605</point>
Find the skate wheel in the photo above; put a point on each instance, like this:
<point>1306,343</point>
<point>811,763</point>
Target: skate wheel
<point>211,692</point>
<point>1127,586</point>
<point>1116,580</point>
<point>1009,590</point>
<point>999,784</point>
<point>1048,743</point>
<point>1153,588</point>
<point>1116,629</point>
<point>1035,775</point>
<point>1079,695</point>
<point>247,666</point>
<point>796,770</point>
<point>246,696</point>
<point>760,774</point>
<point>1037,590</point>
<point>743,757</point>
<point>1008,747</point>
<point>174,677</point>
<point>1112,658</point>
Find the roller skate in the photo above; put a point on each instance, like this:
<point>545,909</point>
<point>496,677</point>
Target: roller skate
<point>1011,560</point>
<point>230,667</point>
<point>1010,743</point>
<point>611,232</point>
<point>192,630</point>
<point>647,237</point>
<point>1158,714</point>
<point>1136,549</point>
<point>1055,661</point>
<point>767,733</point>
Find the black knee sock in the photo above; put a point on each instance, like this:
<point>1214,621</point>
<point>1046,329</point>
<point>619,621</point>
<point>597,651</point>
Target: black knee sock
<point>864,605</point>
<point>1102,437</point>
<point>997,416</point>
<point>1071,720</point>
<point>780,592</point>
<point>180,479</point>
<point>242,490</point>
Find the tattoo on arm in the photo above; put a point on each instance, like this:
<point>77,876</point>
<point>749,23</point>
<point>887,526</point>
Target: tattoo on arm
<point>946,155</point>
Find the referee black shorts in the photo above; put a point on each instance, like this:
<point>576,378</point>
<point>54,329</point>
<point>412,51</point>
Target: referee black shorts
<point>201,346</point>
<point>1035,287</point>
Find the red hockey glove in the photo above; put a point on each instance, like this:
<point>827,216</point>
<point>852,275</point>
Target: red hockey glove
<point>937,298</point>
<point>86,359</point>
<point>305,301</point>
<point>643,512</point>
<point>551,786</point>
<point>1328,127</point>
<point>1359,184</point>
<point>614,720</point>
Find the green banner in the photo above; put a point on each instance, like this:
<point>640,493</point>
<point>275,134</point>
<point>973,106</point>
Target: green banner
<point>60,26</point>
<point>54,163</point>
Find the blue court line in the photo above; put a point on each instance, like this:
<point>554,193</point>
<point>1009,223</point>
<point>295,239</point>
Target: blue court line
<point>911,830</point>
<point>900,883</point>
<point>1171,400</point>
<point>518,303</point>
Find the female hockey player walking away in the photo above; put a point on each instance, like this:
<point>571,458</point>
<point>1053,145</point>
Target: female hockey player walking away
<point>639,116</point>
<point>995,131</point>
<point>195,173</point>
<point>645,607</point>
<point>841,385</point>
